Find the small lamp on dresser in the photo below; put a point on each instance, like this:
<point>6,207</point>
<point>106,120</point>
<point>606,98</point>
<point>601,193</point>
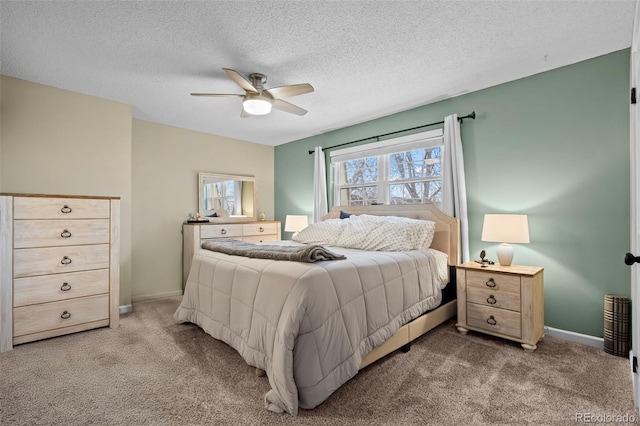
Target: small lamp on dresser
<point>505,229</point>
<point>295,223</point>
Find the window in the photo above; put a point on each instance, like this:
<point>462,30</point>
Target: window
<point>406,170</point>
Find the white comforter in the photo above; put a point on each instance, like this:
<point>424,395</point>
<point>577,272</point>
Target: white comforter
<point>309,325</point>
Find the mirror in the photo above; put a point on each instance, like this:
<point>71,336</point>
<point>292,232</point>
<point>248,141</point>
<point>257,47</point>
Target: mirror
<point>227,197</point>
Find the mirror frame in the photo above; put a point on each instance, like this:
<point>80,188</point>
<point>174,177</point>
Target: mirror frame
<point>202,176</point>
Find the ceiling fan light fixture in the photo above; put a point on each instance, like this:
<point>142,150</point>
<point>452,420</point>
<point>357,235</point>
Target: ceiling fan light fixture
<point>257,106</point>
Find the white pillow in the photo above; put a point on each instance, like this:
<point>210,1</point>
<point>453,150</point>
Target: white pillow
<point>420,232</point>
<point>325,233</point>
<point>386,233</point>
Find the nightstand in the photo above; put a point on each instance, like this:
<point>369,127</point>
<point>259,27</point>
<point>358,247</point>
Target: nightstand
<point>504,301</point>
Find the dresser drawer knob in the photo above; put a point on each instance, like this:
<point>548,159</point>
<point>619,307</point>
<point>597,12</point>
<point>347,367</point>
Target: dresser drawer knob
<point>65,260</point>
<point>65,287</point>
<point>491,283</point>
<point>66,234</point>
<point>65,315</point>
<point>491,300</point>
<point>66,209</point>
<point>261,229</point>
<point>223,231</point>
<point>492,320</point>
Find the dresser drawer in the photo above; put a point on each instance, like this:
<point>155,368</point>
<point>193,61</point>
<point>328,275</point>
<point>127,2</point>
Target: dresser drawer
<point>494,281</point>
<point>494,320</point>
<point>56,260</point>
<point>48,316</point>
<point>220,231</point>
<point>260,238</point>
<point>50,288</point>
<point>60,208</point>
<point>64,232</point>
<point>259,229</point>
<point>494,298</point>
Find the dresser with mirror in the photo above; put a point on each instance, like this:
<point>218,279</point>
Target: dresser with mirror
<point>229,205</point>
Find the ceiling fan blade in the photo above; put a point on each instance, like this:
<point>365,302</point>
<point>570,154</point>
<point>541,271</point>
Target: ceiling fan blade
<point>291,90</point>
<point>219,95</point>
<point>287,107</point>
<point>240,80</point>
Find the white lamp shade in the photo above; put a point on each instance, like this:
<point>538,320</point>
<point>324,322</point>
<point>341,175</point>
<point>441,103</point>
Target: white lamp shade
<point>257,106</point>
<point>505,229</point>
<point>295,223</point>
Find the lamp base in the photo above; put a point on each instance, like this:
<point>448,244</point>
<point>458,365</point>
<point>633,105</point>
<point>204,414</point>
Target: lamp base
<point>505,254</point>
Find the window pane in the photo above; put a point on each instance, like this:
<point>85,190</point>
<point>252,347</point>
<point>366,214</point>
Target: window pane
<point>416,192</point>
<point>362,170</point>
<point>358,196</point>
<point>415,164</point>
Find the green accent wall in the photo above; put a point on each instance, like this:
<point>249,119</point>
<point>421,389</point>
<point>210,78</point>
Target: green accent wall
<point>554,146</point>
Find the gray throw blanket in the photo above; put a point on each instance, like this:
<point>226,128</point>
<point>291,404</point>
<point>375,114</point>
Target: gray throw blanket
<point>305,253</point>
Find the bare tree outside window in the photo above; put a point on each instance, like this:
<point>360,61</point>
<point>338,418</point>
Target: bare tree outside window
<point>359,181</point>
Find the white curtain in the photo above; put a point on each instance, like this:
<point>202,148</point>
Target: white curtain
<point>319,185</point>
<point>454,196</point>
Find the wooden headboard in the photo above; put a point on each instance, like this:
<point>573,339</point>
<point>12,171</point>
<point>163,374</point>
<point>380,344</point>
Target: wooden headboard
<point>447,236</point>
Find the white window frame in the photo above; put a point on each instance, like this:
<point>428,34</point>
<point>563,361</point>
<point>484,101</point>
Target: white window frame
<point>381,149</point>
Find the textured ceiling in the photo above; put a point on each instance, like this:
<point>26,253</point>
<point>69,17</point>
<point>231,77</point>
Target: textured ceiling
<point>365,59</point>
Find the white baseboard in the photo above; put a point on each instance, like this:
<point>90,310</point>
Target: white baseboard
<point>157,295</point>
<point>125,309</point>
<point>584,339</point>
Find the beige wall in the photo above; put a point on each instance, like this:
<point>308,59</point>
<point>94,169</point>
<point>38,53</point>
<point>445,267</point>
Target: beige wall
<point>60,142</point>
<point>55,141</point>
<point>166,162</point>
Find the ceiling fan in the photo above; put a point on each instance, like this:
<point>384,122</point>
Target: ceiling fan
<point>257,100</point>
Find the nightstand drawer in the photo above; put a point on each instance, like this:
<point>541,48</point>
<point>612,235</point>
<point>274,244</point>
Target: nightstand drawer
<point>494,320</point>
<point>494,281</point>
<point>493,298</point>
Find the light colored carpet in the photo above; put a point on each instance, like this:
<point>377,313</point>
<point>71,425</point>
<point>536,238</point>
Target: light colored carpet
<point>152,371</point>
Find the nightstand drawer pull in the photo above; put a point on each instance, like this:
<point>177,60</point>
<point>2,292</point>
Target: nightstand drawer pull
<point>491,283</point>
<point>66,234</point>
<point>491,300</point>
<point>492,320</point>
<point>65,315</point>
<point>65,287</point>
<point>65,209</point>
<point>261,229</point>
<point>65,260</point>
<point>223,231</point>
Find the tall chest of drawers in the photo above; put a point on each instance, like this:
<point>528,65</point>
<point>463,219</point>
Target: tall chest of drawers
<point>193,234</point>
<point>60,265</point>
<point>504,301</point>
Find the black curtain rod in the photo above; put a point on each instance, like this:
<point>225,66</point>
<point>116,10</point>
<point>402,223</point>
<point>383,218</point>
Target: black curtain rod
<point>471,116</point>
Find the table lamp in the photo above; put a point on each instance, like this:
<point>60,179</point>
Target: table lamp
<point>505,229</point>
<point>295,223</point>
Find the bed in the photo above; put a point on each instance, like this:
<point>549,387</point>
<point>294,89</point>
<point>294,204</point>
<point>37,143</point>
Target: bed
<point>312,326</point>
